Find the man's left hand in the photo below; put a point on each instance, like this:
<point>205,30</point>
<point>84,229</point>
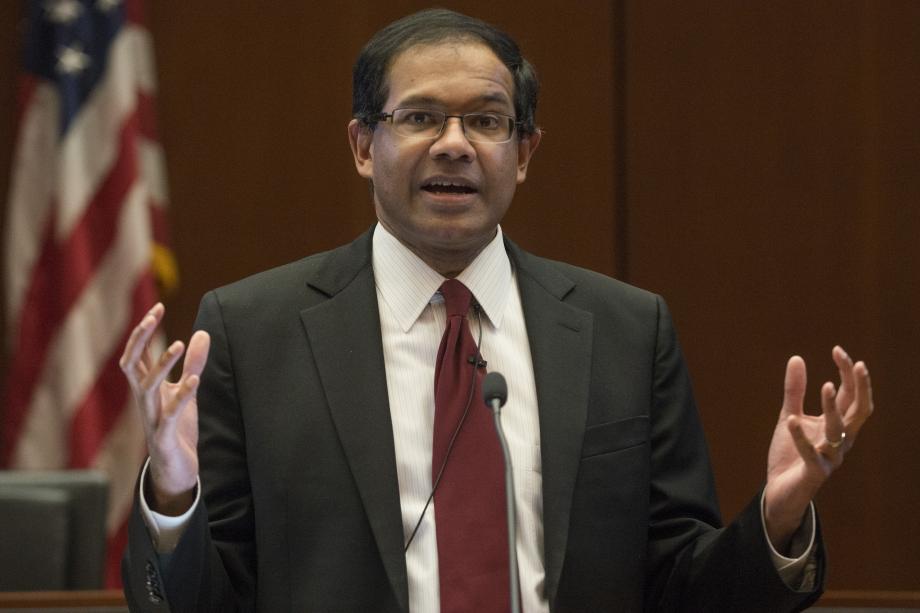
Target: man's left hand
<point>806,449</point>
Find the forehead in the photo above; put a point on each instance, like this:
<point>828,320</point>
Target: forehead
<point>454,73</point>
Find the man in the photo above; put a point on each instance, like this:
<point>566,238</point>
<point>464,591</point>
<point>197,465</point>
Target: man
<point>324,463</point>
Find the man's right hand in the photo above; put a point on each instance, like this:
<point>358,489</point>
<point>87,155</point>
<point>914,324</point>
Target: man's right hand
<point>169,412</point>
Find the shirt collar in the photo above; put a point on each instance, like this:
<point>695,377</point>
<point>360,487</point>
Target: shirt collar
<point>408,285</point>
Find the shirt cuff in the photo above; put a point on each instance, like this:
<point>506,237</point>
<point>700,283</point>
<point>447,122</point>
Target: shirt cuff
<point>165,530</point>
<point>798,573</point>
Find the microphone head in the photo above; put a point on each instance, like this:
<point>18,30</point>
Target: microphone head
<point>494,388</point>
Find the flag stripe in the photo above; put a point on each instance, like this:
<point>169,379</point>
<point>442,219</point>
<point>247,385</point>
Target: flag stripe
<point>31,196</point>
<point>91,330</point>
<point>134,12</point>
<point>61,275</point>
<point>27,84</point>
<point>99,411</point>
<point>121,456</point>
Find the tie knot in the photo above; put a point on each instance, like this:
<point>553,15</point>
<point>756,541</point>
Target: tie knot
<point>457,298</point>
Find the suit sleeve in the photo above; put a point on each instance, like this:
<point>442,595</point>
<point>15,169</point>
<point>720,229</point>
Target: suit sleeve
<point>213,565</point>
<point>693,564</point>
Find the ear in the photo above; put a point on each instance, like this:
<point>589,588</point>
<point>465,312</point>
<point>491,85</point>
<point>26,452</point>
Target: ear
<point>361,140</point>
<point>526,147</point>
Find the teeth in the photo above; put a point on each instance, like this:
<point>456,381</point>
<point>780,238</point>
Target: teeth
<point>450,186</point>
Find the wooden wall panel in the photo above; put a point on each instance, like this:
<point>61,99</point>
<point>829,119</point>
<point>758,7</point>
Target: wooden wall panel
<point>772,188</point>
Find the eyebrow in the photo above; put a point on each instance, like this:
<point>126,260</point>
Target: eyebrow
<point>422,100</point>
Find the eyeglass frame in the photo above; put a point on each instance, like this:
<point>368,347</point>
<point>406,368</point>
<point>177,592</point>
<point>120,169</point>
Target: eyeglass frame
<point>388,117</point>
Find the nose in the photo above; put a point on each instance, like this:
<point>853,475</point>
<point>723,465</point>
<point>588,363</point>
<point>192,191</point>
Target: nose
<point>452,143</point>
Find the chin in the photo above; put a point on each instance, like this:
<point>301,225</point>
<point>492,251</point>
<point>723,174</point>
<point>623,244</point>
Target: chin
<point>461,238</point>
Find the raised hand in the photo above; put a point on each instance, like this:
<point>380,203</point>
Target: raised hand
<point>169,411</point>
<point>806,449</point>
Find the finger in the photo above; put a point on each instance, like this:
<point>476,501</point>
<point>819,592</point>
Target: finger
<point>863,407</point>
<point>794,386</point>
<point>139,338</point>
<point>163,366</point>
<point>197,355</point>
<point>847,379</point>
<point>188,387</point>
<point>833,424</point>
<point>805,447</point>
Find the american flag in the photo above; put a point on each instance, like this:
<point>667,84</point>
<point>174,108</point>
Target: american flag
<point>85,243</point>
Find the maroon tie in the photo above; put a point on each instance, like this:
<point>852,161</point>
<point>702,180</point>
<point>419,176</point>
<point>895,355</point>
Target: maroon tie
<point>469,500</point>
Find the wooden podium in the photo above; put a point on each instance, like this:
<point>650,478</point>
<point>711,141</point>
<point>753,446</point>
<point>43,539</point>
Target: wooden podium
<point>84,601</point>
<point>113,601</point>
<point>872,600</point>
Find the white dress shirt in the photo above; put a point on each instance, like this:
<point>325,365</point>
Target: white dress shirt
<point>412,321</point>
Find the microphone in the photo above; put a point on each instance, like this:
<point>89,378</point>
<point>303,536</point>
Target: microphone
<point>494,389</point>
<point>495,394</point>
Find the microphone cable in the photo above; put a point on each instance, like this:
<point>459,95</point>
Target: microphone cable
<point>477,362</point>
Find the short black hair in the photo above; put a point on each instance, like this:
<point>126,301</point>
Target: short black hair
<point>432,26</point>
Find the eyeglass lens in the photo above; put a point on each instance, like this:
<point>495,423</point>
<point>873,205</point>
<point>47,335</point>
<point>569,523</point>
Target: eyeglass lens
<point>480,127</point>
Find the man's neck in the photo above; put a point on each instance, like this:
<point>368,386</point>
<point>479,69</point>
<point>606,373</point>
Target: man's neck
<point>447,263</point>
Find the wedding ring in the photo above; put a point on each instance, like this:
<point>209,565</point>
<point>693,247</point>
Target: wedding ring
<point>836,444</point>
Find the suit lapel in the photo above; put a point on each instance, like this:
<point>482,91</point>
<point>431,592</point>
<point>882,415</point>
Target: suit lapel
<point>344,333</point>
<point>560,344</point>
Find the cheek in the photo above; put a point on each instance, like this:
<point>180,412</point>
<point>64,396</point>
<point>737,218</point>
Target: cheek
<point>382,154</point>
<point>394,166</point>
<point>505,172</point>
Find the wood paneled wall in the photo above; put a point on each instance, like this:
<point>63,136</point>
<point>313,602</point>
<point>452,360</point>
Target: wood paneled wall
<point>755,163</point>
<point>773,196</point>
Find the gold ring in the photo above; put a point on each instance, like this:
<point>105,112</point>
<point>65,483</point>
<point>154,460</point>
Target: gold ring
<point>836,444</point>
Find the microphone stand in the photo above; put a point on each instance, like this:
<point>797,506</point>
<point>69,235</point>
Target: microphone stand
<point>495,400</point>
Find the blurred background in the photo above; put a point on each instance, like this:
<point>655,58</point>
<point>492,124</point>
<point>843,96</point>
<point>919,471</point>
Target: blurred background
<point>757,164</point>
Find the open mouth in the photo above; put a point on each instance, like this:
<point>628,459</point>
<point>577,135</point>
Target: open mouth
<point>448,187</point>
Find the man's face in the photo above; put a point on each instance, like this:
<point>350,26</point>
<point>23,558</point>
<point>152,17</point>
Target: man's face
<point>444,197</point>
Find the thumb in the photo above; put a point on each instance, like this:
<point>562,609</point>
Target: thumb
<point>197,354</point>
<point>794,386</point>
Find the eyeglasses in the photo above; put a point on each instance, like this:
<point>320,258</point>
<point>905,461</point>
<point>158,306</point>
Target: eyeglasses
<point>425,123</point>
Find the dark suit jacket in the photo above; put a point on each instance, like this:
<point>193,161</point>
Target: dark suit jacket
<point>300,499</point>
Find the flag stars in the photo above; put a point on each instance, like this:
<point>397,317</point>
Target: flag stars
<point>107,5</point>
<point>63,11</point>
<point>72,59</point>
